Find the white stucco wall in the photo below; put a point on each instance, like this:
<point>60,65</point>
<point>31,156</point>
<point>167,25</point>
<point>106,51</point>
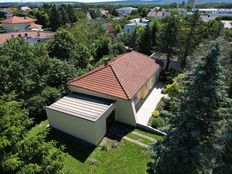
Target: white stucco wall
<point>74,126</point>
<point>124,109</point>
<point>87,130</point>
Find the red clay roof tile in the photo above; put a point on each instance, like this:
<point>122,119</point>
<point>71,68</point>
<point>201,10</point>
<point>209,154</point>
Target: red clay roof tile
<point>122,77</point>
<point>16,20</point>
<point>29,34</point>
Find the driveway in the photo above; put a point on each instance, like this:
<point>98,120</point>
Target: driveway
<point>149,105</point>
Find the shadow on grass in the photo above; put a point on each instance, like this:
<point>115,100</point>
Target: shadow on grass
<point>75,147</point>
<point>80,149</point>
<point>118,131</point>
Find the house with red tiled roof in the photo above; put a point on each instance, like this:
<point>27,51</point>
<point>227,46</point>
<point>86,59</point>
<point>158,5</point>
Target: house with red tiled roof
<point>112,92</point>
<point>15,23</point>
<point>30,36</point>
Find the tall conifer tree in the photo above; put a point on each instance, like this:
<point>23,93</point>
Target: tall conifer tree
<point>192,144</point>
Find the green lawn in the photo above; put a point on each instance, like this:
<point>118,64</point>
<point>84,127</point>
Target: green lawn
<point>112,156</point>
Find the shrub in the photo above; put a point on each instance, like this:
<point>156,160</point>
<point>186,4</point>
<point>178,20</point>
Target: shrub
<point>158,122</point>
<point>162,104</point>
<point>155,114</point>
<point>173,89</point>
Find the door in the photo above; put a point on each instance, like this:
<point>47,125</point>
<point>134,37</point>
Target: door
<point>110,120</point>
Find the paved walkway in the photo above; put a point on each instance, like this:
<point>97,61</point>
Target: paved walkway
<point>149,105</point>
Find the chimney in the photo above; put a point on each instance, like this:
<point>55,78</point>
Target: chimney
<point>128,49</point>
<point>105,62</point>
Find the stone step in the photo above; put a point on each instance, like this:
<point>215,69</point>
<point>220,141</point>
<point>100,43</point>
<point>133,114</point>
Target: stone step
<point>144,136</point>
<point>136,142</point>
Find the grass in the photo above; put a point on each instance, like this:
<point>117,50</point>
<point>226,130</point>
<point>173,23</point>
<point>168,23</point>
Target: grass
<point>139,138</point>
<point>112,156</point>
<point>155,136</point>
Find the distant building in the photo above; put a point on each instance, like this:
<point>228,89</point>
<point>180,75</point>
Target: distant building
<point>100,20</point>
<point>8,11</point>
<point>158,14</point>
<point>135,23</point>
<point>227,24</point>
<point>108,27</point>
<point>207,18</point>
<point>89,16</point>
<point>125,11</point>
<point>104,12</point>
<point>25,8</point>
<point>216,12</point>
<point>30,36</point>
<point>192,3</point>
<point>15,23</point>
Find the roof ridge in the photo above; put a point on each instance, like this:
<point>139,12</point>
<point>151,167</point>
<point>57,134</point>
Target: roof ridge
<point>119,82</point>
<point>114,61</point>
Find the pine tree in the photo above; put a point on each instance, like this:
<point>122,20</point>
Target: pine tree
<point>192,144</point>
<point>168,37</point>
<point>155,29</point>
<point>145,41</point>
<point>55,18</point>
<point>191,37</point>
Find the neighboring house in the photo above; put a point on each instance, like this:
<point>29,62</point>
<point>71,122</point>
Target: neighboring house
<point>158,14</point>
<point>15,23</point>
<point>227,24</point>
<point>182,11</point>
<point>7,11</point>
<point>30,36</point>
<point>128,28</point>
<point>104,12</point>
<point>207,18</point>
<point>101,20</point>
<point>111,92</point>
<point>89,16</point>
<point>135,23</point>
<point>137,20</point>
<point>108,27</point>
<point>35,27</point>
<point>25,8</point>
<point>125,11</point>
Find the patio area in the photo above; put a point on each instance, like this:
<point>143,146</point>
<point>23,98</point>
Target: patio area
<point>148,105</point>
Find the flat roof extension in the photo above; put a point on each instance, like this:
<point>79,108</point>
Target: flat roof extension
<point>83,106</point>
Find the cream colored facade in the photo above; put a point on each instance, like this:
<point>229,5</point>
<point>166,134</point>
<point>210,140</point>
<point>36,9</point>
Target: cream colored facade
<point>94,131</point>
<point>90,131</point>
<point>125,111</point>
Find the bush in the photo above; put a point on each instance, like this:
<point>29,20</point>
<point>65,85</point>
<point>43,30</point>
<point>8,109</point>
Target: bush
<point>155,114</point>
<point>158,122</point>
<point>173,89</point>
<point>168,76</point>
<point>163,104</point>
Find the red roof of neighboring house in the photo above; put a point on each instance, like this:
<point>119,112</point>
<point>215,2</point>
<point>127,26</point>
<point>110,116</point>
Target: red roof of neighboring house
<point>30,34</point>
<point>17,20</point>
<point>121,77</point>
<point>33,25</point>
